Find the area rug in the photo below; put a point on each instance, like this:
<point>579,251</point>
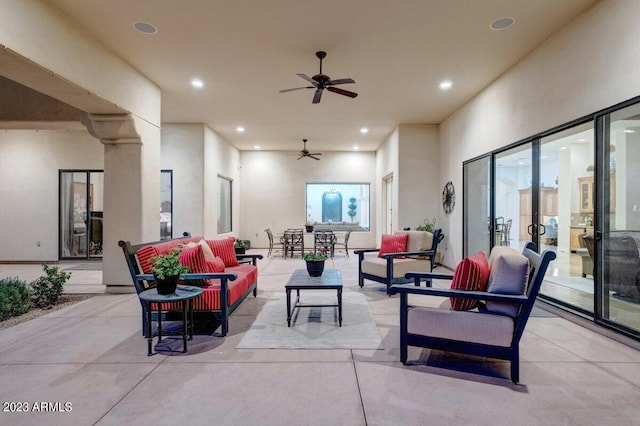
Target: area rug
<point>314,328</point>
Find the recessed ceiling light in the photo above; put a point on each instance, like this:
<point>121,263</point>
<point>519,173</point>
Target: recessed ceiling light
<point>502,23</point>
<point>256,147</point>
<point>145,27</point>
<point>582,140</point>
<point>364,130</point>
<point>355,148</point>
<point>240,129</point>
<point>629,131</point>
<point>446,85</point>
<point>197,83</point>
<point>563,147</point>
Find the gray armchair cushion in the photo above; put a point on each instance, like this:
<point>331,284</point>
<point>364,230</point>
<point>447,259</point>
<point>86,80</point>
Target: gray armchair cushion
<point>508,273</point>
<point>464,326</point>
<point>378,266</point>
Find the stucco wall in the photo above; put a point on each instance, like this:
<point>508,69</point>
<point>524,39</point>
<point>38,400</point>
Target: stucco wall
<point>591,64</point>
<point>273,186</point>
<point>29,164</point>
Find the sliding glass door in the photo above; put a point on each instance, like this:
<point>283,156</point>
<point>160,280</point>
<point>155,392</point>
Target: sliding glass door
<point>81,214</point>
<point>566,208</point>
<point>476,206</point>
<point>617,236</point>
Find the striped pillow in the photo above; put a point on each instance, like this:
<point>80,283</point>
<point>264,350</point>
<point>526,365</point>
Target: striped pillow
<point>144,256</point>
<point>393,244</point>
<point>193,258</point>
<point>471,274</point>
<point>224,250</point>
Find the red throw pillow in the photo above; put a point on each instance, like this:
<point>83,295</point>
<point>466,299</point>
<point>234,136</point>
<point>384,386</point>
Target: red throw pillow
<point>472,274</point>
<point>216,265</point>
<point>193,258</point>
<point>224,249</point>
<point>393,244</point>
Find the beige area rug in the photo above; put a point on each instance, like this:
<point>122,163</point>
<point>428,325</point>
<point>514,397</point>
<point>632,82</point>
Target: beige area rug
<point>314,328</point>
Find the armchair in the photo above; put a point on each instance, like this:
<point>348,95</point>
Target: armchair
<point>491,331</point>
<point>391,268</point>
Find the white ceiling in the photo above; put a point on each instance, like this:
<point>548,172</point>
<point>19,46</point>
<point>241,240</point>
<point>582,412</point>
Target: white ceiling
<point>245,51</point>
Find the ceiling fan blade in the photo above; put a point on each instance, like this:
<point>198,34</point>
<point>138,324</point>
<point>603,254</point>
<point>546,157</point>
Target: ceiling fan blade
<point>317,96</point>
<point>315,153</point>
<point>309,79</point>
<point>342,92</point>
<point>296,88</point>
<point>311,156</point>
<point>340,81</point>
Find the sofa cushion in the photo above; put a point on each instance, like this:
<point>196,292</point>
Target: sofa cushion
<point>216,265</point>
<point>508,273</point>
<point>224,249</point>
<point>193,258</point>
<point>464,326</point>
<point>206,249</point>
<point>378,266</point>
<point>419,240</point>
<point>471,274</point>
<point>393,244</point>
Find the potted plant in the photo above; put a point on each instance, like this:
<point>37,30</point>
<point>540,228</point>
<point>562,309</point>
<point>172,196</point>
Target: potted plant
<point>240,246</point>
<point>352,208</point>
<point>315,261</point>
<point>429,225</point>
<point>309,225</point>
<point>166,270</point>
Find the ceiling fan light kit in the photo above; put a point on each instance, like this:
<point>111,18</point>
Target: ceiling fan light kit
<point>322,81</point>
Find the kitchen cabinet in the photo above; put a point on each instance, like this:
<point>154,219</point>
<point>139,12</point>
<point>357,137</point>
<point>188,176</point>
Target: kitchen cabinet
<point>548,207</point>
<point>586,189</point>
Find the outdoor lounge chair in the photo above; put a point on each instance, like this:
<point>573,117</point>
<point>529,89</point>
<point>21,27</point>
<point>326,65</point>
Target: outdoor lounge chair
<point>493,331</point>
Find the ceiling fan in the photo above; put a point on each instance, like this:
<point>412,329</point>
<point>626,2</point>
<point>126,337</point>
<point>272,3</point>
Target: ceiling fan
<point>321,81</point>
<point>305,152</point>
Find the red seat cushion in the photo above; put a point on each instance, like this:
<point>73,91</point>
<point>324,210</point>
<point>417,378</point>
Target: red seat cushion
<point>224,249</point>
<point>393,244</point>
<point>472,274</point>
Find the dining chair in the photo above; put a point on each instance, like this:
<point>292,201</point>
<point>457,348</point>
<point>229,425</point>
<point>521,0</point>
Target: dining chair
<point>344,243</point>
<point>326,240</point>
<point>293,241</point>
<point>270,236</point>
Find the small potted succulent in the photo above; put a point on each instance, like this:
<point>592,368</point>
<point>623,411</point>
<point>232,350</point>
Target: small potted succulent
<point>166,270</point>
<point>315,261</point>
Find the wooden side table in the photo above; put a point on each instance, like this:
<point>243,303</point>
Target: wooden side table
<point>185,295</point>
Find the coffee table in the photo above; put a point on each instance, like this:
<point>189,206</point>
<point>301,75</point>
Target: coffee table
<point>331,279</point>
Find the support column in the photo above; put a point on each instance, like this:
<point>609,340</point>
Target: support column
<point>131,189</point>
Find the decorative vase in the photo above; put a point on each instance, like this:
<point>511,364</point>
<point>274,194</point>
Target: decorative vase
<point>240,250</point>
<point>167,285</point>
<point>315,267</point>
<point>309,228</point>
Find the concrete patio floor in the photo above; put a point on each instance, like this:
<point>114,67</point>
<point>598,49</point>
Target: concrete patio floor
<point>88,364</point>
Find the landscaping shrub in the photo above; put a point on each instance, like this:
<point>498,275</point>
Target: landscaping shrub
<point>46,290</point>
<point>15,298</point>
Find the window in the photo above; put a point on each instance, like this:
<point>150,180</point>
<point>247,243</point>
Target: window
<point>166,204</point>
<point>346,204</point>
<point>224,205</point>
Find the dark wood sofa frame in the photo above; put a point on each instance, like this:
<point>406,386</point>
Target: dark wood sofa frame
<point>143,282</point>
